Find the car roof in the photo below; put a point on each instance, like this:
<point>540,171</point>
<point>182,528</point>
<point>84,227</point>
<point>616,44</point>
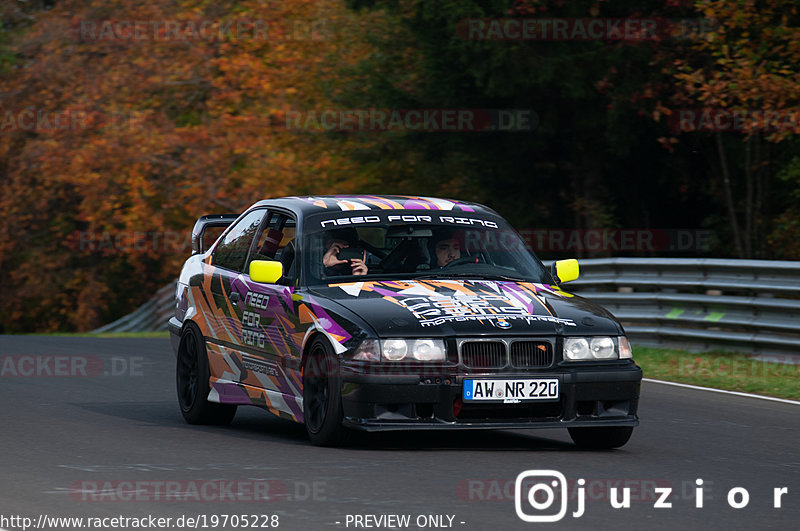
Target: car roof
<point>314,204</point>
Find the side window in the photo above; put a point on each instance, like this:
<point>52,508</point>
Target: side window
<point>231,252</point>
<point>276,241</point>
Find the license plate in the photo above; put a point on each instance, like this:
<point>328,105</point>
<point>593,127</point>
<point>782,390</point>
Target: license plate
<point>511,391</point>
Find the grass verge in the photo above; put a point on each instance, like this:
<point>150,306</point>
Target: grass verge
<point>721,370</point>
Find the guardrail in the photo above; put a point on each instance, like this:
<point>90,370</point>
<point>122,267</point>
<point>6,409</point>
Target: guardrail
<point>695,304</point>
<point>151,316</point>
<point>699,304</point>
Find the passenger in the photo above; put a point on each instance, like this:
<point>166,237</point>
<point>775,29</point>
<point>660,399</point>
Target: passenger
<point>335,241</point>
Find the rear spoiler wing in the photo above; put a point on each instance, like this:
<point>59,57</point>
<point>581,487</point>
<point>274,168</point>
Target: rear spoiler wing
<point>203,223</point>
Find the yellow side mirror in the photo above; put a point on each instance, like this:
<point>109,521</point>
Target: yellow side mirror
<point>265,271</point>
<point>567,270</point>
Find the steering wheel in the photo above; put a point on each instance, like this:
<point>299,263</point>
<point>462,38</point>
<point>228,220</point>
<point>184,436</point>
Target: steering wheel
<point>463,260</point>
<point>371,248</point>
<point>392,261</point>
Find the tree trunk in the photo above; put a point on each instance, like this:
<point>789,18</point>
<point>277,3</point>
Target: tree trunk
<point>726,182</point>
<point>748,205</point>
<point>759,238</point>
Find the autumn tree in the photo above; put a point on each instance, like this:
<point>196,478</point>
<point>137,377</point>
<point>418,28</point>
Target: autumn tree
<point>124,121</point>
<point>737,81</point>
<point>592,160</point>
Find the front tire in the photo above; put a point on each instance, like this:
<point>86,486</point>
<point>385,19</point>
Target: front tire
<point>191,378</point>
<point>322,396</point>
<point>604,438</point>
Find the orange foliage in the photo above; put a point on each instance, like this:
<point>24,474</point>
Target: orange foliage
<point>747,62</point>
<point>153,132</point>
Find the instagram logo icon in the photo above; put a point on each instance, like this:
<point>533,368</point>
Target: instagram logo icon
<point>536,492</point>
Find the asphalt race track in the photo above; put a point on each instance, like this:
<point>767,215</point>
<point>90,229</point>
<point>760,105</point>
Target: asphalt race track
<point>91,428</point>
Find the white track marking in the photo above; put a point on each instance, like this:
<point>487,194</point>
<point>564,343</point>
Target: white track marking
<point>737,393</point>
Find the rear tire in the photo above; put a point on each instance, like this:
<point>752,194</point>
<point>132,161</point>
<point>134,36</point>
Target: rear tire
<point>191,378</point>
<point>322,396</point>
<point>601,438</point>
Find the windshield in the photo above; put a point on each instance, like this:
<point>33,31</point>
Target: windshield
<point>348,247</point>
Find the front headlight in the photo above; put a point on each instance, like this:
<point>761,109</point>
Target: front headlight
<point>401,350</point>
<point>428,350</point>
<point>394,349</point>
<point>596,348</point>
<point>577,348</point>
<point>603,348</point>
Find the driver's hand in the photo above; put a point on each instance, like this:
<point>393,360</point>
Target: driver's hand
<point>331,259</point>
<point>359,267</point>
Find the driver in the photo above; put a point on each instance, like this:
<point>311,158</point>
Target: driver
<point>335,241</point>
<point>446,248</point>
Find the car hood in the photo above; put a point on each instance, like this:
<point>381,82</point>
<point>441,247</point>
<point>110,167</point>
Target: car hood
<point>434,308</point>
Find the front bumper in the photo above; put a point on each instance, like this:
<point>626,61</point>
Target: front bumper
<point>588,396</point>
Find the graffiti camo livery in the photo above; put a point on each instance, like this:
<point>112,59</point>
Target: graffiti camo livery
<point>445,326</point>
